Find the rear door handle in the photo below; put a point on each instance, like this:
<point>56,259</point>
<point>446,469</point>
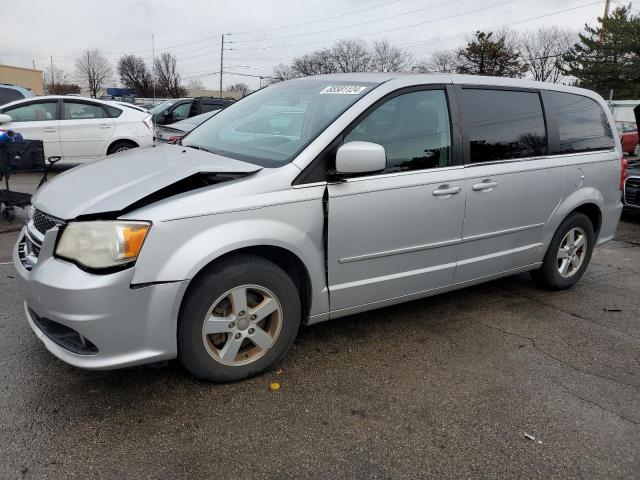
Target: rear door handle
<point>446,191</point>
<point>50,130</point>
<point>104,125</point>
<point>485,185</point>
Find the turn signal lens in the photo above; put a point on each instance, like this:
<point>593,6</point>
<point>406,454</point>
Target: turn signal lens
<point>132,239</point>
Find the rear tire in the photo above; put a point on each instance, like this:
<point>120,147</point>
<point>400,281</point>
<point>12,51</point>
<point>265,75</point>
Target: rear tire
<point>568,255</point>
<point>224,331</point>
<point>120,146</point>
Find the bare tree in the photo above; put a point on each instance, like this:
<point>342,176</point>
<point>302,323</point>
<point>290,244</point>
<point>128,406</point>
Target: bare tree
<point>351,56</point>
<point>93,71</point>
<point>386,57</point>
<point>134,74</point>
<point>167,76</point>
<point>243,88</point>
<point>53,75</point>
<point>346,56</point>
<point>543,52</point>
<point>442,61</point>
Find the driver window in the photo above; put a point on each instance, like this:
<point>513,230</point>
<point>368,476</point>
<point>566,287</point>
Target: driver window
<point>413,128</point>
<point>181,111</point>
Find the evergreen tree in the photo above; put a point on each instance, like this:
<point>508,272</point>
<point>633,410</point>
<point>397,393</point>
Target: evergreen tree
<point>486,55</point>
<point>608,56</point>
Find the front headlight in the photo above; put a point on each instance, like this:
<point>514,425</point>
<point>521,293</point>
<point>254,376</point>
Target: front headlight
<point>102,244</point>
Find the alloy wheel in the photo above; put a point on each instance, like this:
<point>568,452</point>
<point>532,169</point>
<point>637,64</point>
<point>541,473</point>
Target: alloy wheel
<point>636,150</point>
<point>572,252</point>
<point>242,325</point>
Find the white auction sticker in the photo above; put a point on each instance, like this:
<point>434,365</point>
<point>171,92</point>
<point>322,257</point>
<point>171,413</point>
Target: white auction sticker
<point>342,90</point>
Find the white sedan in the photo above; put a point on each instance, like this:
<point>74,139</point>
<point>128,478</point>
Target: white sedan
<point>78,129</point>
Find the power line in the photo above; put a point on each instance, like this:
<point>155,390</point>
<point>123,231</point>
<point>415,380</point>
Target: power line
<point>433,20</point>
<point>431,7</point>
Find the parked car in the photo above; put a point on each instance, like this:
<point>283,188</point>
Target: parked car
<point>173,133</point>
<point>188,107</point>
<point>10,93</point>
<point>79,129</point>
<point>628,132</point>
<point>631,192</point>
<point>393,188</point>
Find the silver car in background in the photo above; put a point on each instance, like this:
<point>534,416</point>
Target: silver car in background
<point>352,192</point>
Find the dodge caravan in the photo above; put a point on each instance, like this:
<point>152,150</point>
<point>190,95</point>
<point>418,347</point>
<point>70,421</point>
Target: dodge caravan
<point>310,200</point>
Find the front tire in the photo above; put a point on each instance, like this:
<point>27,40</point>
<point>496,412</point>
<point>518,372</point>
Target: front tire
<point>238,320</point>
<point>568,255</point>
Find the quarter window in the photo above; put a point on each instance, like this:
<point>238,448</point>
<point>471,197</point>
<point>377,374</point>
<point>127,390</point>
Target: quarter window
<point>34,112</point>
<point>82,111</point>
<point>504,124</point>
<point>582,124</point>
<point>413,128</point>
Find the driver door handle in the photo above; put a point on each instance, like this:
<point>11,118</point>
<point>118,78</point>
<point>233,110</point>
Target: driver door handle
<point>486,185</point>
<point>446,191</point>
<point>104,125</point>
<point>50,130</point>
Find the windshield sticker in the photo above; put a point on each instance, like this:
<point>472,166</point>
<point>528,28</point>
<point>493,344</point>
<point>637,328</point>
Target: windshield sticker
<point>342,90</point>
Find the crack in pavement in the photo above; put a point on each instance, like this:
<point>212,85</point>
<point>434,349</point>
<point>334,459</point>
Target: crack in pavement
<point>536,300</point>
<point>550,355</point>
<point>596,404</point>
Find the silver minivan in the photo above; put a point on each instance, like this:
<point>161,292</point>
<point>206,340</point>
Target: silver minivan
<point>311,200</point>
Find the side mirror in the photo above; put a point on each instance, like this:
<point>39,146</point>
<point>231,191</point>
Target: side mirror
<point>360,157</point>
<point>5,119</point>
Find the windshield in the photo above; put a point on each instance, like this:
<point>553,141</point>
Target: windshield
<point>161,107</point>
<point>271,126</point>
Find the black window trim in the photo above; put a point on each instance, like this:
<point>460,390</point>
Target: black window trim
<point>315,173</point>
<point>466,144</point>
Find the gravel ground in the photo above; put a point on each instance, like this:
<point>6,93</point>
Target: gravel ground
<point>444,387</point>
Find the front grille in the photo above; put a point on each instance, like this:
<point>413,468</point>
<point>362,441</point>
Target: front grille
<point>632,191</point>
<point>43,222</point>
<point>64,336</point>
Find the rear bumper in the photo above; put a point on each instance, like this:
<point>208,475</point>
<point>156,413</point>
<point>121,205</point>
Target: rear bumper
<point>610,218</point>
<point>127,326</point>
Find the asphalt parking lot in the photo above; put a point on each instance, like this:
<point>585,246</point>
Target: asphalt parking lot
<point>445,387</point>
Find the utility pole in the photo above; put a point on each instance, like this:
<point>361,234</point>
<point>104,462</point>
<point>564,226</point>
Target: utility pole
<point>52,74</point>
<point>607,5</point>
<point>153,66</point>
<point>221,62</point>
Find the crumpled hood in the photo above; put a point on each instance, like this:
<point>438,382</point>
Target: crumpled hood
<point>118,181</point>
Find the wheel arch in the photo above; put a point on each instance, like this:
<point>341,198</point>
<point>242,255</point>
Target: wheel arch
<point>282,257</point>
<point>122,140</point>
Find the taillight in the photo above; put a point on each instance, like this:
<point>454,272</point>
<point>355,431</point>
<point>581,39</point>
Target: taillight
<point>623,172</point>
<point>148,122</point>
<point>174,139</point>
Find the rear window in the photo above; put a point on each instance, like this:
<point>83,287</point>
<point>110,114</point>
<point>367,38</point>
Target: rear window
<point>504,124</point>
<point>582,124</point>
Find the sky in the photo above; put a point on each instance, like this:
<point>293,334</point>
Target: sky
<point>260,34</point>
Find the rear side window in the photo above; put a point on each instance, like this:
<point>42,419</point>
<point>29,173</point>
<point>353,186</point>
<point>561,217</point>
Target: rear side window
<point>209,107</point>
<point>114,112</point>
<point>413,128</point>
<point>582,124</point>
<point>9,95</point>
<point>504,124</point>
<point>82,111</point>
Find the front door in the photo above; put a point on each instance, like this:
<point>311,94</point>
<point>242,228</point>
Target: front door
<point>37,120</point>
<point>397,233</point>
<point>512,186</point>
<point>85,129</point>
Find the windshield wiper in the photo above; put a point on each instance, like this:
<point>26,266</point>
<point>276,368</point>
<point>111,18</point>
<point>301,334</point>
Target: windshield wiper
<point>196,147</point>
